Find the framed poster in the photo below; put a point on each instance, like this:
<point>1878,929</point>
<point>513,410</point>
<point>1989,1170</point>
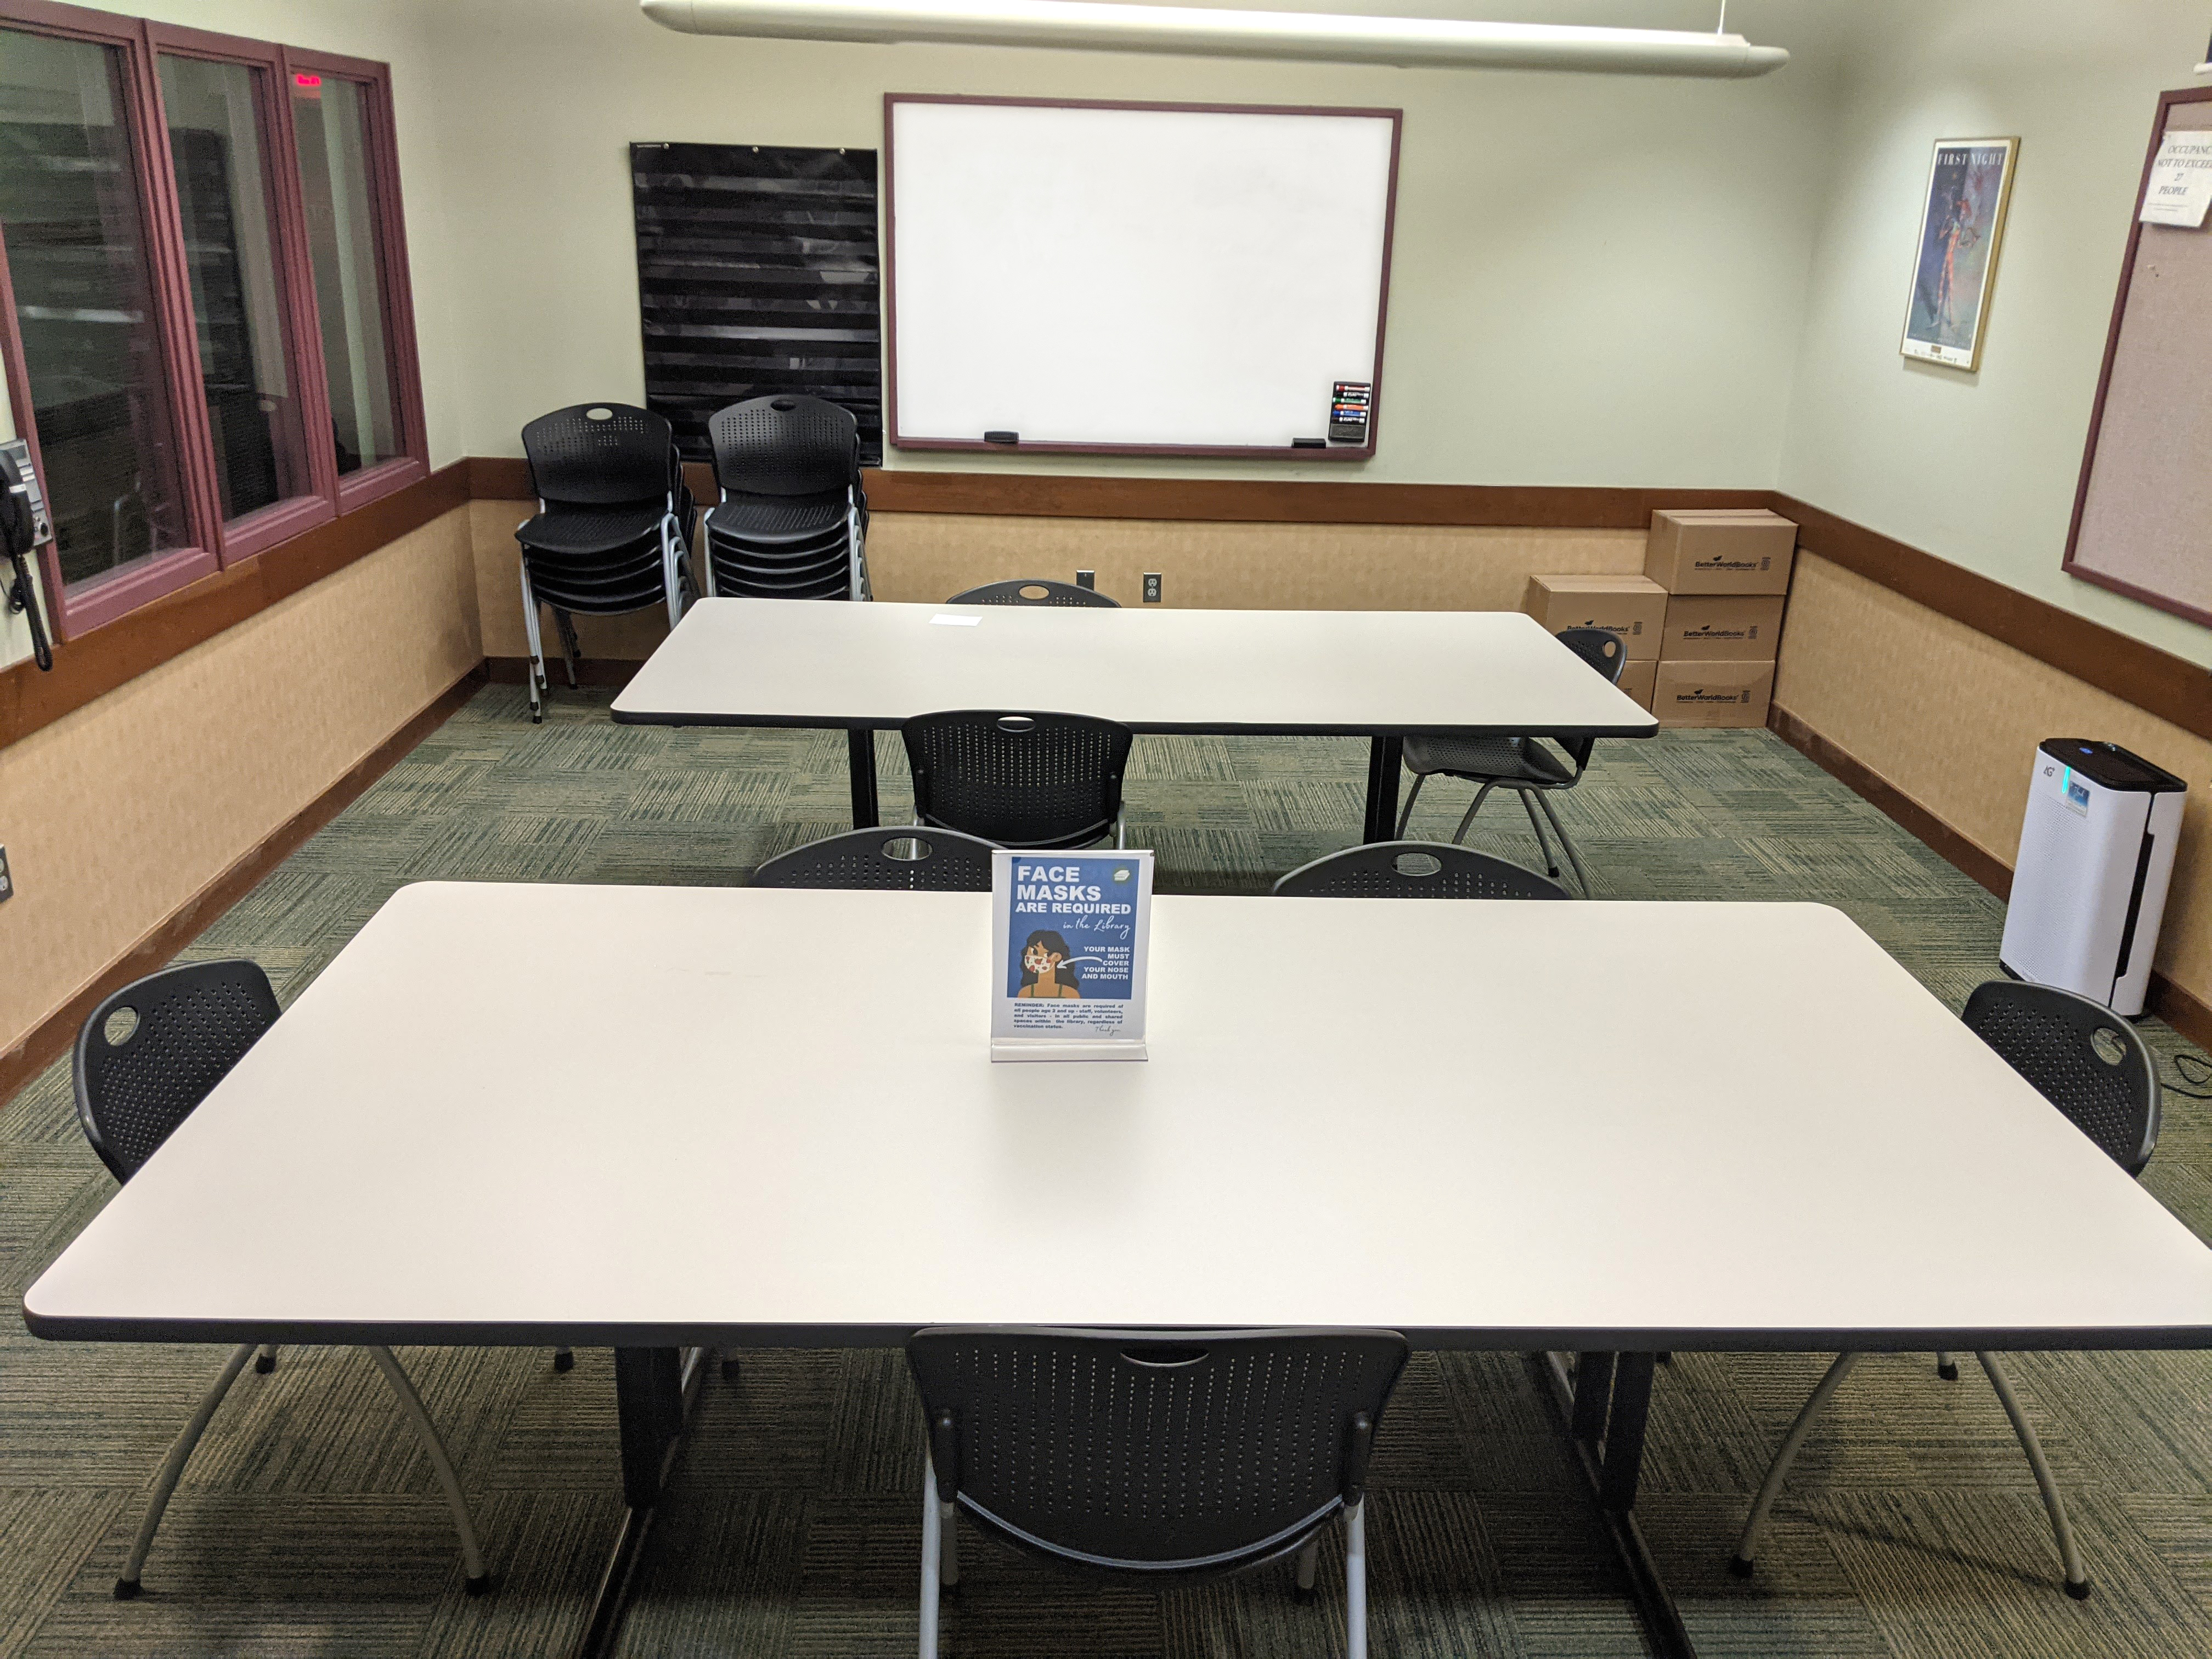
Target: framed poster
<point>1955,262</point>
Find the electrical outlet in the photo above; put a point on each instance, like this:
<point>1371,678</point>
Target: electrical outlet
<point>6,882</point>
<point>1086,579</point>
<point>1152,587</point>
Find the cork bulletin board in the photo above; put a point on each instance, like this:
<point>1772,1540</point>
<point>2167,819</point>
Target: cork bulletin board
<point>2143,511</point>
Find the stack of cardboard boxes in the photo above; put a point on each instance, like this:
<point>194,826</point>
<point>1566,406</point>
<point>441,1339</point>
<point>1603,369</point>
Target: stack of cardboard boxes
<point>1701,624</point>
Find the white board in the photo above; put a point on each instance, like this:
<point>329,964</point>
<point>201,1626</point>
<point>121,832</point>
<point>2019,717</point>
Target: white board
<point>1117,277</point>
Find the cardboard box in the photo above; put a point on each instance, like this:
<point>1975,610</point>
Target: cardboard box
<point>1636,677</point>
<point>1712,693</point>
<point>1721,627</point>
<point>1720,552</point>
<point>1631,608</point>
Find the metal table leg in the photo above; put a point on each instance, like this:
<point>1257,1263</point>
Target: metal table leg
<point>1615,1390</point>
<point>653,1391</point>
<point>1384,756</point>
<point>860,756</point>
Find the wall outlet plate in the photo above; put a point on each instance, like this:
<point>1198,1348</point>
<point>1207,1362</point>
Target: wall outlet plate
<point>1152,587</point>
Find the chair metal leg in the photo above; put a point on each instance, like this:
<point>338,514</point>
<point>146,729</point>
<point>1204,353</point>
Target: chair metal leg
<point>1947,1368</point>
<point>1120,832</point>
<point>1574,858</point>
<point>1406,813</point>
<point>265,1361</point>
<point>1308,1567</point>
<point>173,1468</point>
<point>2077,1575</point>
<point>1748,1544</point>
<point>535,673</point>
<point>1355,1582</point>
<point>1550,864</point>
<point>1474,806</point>
<point>570,650</point>
<point>932,1543</point>
<point>412,1404</point>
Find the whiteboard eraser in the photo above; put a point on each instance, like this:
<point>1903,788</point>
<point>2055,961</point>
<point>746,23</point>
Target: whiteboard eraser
<point>1002,437</point>
<point>1309,443</point>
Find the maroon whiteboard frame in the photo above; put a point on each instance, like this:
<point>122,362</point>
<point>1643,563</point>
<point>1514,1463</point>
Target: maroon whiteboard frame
<point>1246,452</point>
<point>2165,602</point>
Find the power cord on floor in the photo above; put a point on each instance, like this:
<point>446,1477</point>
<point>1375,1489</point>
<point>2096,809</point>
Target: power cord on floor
<point>2202,1073</point>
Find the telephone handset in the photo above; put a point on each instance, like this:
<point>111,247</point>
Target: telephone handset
<point>22,527</point>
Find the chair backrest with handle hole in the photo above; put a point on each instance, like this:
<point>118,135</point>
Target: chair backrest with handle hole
<point>1415,869</point>
<point>1601,649</point>
<point>915,860</point>
<point>601,455</point>
<point>785,445</point>
<point>1037,590</point>
<point>2081,1057</point>
<point>1188,1454</point>
<point>1018,779</point>
<point>150,1054</point>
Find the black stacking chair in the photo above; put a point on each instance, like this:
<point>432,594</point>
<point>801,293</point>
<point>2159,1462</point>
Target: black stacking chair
<point>1415,869</point>
<point>148,1056</point>
<point>2090,1064</point>
<point>1173,1457</point>
<point>1036,591</point>
<point>915,860</point>
<point>792,520</point>
<point>1027,780</point>
<point>612,518</point>
<point>1523,765</point>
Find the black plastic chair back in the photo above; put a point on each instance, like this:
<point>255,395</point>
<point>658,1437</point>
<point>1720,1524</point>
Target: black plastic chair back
<point>1017,780</point>
<point>923,860</point>
<point>1415,869</point>
<point>1187,1453</point>
<point>785,445</point>
<point>1036,590</point>
<point>601,455</point>
<point>191,1025</point>
<point>2081,1057</point>
<point>1601,649</point>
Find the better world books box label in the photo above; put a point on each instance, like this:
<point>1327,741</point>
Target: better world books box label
<point>1069,933</point>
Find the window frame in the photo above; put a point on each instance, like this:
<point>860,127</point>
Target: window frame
<point>214,546</point>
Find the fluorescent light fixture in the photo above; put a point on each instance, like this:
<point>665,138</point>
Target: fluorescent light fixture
<point>1099,26</point>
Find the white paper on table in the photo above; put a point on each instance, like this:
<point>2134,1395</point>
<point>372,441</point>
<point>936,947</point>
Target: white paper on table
<point>2180,187</point>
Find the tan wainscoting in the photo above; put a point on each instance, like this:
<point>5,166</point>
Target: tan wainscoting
<point>125,817</point>
<point>1950,718</point>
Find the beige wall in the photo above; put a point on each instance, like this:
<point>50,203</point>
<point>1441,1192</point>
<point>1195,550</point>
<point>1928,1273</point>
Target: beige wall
<point>1980,469</point>
<point>1952,717</point>
<point>118,814</point>
<point>1597,279</point>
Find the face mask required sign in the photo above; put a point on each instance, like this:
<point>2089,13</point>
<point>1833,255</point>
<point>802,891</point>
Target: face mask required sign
<point>1069,933</point>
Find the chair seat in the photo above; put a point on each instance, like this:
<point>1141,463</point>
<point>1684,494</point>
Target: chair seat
<point>574,532</point>
<point>779,518</point>
<point>1515,759</point>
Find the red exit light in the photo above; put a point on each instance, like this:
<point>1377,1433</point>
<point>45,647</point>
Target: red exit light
<point>307,80</point>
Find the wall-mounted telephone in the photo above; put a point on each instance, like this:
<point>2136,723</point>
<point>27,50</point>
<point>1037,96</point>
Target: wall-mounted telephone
<point>23,527</point>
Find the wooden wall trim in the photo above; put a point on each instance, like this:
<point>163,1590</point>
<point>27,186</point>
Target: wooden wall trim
<point>94,664</point>
<point>2157,681</point>
<point>51,1038</point>
<point>2187,1013</point>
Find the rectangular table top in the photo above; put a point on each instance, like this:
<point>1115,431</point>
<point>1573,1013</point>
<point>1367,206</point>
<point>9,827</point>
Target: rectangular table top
<point>747,1116</point>
<point>776,662</point>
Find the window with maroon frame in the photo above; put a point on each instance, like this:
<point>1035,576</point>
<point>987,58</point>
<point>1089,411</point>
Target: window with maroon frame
<point>209,339</point>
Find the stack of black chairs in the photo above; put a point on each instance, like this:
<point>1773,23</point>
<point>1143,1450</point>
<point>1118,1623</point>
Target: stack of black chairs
<point>609,533</point>
<point>792,520</point>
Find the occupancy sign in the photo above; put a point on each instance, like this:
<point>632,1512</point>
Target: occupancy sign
<point>1069,933</point>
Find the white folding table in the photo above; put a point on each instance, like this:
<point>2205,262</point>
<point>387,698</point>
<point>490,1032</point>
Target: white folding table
<point>1376,674</point>
<point>769,1117</point>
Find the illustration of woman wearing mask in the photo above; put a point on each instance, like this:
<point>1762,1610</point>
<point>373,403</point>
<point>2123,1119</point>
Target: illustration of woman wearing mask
<point>1044,972</point>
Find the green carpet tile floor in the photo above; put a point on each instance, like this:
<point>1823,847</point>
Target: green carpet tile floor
<point>309,1524</point>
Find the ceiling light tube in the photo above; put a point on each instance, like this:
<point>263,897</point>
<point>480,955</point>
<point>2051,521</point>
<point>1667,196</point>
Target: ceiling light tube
<point>1099,26</point>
